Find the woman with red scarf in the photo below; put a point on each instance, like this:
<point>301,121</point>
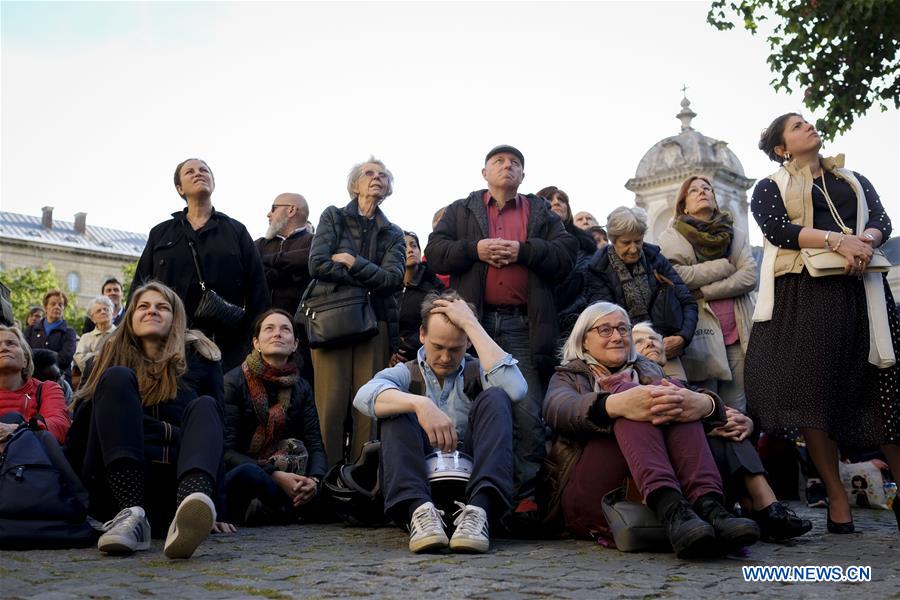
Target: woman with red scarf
<point>273,447</point>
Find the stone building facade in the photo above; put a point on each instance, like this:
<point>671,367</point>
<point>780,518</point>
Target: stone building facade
<point>671,160</point>
<point>83,255</point>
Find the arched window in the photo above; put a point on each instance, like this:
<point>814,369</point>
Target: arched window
<point>73,282</point>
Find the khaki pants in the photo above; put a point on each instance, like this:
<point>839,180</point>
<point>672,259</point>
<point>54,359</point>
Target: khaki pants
<point>339,373</point>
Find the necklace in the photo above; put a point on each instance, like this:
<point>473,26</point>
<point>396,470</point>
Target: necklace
<point>831,208</point>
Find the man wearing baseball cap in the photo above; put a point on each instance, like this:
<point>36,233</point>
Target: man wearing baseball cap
<point>504,252</point>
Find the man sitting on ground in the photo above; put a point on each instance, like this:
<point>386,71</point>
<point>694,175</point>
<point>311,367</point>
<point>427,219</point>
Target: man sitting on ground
<point>455,398</point>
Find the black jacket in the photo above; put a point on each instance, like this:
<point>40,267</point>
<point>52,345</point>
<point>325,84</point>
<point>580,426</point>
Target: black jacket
<point>602,284</point>
<point>410,300</point>
<point>302,423</point>
<point>570,299</point>
<point>548,252</point>
<point>61,340</point>
<point>380,250</point>
<point>162,421</point>
<point>230,265</point>
<point>286,265</point>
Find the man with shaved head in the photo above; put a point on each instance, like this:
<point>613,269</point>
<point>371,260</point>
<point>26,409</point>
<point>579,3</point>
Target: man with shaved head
<point>285,256</point>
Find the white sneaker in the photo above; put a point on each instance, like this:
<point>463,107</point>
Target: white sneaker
<point>127,532</point>
<point>426,529</point>
<point>192,524</point>
<point>471,533</point>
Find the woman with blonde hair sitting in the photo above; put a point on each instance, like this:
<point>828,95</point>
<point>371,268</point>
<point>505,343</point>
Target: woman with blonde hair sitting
<point>150,426</point>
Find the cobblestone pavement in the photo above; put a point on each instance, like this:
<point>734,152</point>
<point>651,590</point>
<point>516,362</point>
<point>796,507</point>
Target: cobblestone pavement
<point>333,561</point>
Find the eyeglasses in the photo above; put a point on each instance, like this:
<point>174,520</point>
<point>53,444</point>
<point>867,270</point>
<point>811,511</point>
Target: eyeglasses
<point>606,331</point>
<point>274,206</point>
<point>372,174</point>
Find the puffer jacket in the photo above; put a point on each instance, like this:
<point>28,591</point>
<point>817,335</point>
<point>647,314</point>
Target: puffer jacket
<point>548,252</point>
<point>380,250</point>
<point>733,276</point>
<point>567,407</point>
<point>603,284</point>
<point>301,422</point>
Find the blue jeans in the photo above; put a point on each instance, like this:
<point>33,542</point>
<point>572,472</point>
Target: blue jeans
<point>511,332</point>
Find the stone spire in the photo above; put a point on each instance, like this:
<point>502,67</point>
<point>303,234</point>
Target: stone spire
<point>686,114</point>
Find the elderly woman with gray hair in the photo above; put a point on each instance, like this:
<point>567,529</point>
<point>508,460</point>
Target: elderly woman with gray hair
<point>614,412</point>
<point>636,276</point>
<point>100,311</point>
<point>357,245</point>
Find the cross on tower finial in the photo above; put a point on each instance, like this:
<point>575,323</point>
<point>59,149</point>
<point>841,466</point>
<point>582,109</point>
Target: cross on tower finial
<point>684,89</point>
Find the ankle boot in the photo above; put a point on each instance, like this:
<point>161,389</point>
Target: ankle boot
<point>690,536</point>
<point>731,532</point>
<point>777,522</point>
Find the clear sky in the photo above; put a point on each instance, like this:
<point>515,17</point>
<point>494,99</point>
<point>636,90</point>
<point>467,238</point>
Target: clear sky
<point>100,101</point>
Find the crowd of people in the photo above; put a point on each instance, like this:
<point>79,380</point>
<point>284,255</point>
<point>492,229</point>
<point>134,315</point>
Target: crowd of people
<point>555,359</point>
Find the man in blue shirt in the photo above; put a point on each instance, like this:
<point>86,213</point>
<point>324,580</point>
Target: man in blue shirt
<point>462,400</point>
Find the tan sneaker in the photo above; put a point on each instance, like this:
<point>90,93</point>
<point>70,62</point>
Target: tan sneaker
<point>471,533</point>
<point>192,524</point>
<point>426,529</point>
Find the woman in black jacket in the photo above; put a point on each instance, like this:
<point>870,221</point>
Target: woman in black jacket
<point>418,280</point>
<point>273,447</point>
<point>356,245</point>
<point>568,294</point>
<point>151,420</point>
<point>633,274</point>
<point>229,261</point>
<point>52,332</point>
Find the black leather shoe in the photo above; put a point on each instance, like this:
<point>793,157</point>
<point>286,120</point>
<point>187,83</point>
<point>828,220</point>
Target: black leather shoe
<point>691,536</point>
<point>731,532</point>
<point>777,522</point>
<point>839,528</point>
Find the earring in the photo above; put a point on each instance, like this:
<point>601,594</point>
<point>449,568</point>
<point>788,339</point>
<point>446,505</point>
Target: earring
<point>787,155</point>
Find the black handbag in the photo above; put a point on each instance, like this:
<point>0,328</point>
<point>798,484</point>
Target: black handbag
<point>213,310</point>
<point>666,313</point>
<point>335,315</point>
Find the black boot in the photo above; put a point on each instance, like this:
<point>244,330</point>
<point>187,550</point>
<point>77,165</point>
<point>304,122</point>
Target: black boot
<point>690,536</point>
<point>731,532</point>
<point>777,522</point>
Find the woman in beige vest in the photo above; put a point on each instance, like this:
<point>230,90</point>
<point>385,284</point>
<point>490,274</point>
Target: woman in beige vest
<point>821,352</point>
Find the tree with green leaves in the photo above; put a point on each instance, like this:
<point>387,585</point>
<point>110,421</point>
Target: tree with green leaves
<point>27,288</point>
<point>844,55</point>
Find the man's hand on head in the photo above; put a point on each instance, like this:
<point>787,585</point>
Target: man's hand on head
<point>457,311</point>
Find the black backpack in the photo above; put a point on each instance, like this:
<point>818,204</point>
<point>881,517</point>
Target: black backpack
<point>43,504</point>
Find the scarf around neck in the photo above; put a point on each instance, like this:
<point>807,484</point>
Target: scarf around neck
<point>710,239</point>
<point>634,284</point>
<point>272,417</point>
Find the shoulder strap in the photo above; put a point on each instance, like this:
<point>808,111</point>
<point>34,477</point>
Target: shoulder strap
<point>194,255</point>
<point>417,382</point>
<point>33,421</point>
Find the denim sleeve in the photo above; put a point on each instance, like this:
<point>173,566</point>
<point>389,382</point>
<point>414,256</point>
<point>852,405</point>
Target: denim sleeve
<point>506,376</point>
<point>392,378</point>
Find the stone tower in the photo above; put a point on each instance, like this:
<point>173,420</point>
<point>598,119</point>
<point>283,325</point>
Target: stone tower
<point>670,161</point>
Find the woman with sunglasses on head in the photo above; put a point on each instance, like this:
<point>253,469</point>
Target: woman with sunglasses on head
<point>358,246</point>
<point>822,352</point>
<point>226,258</point>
